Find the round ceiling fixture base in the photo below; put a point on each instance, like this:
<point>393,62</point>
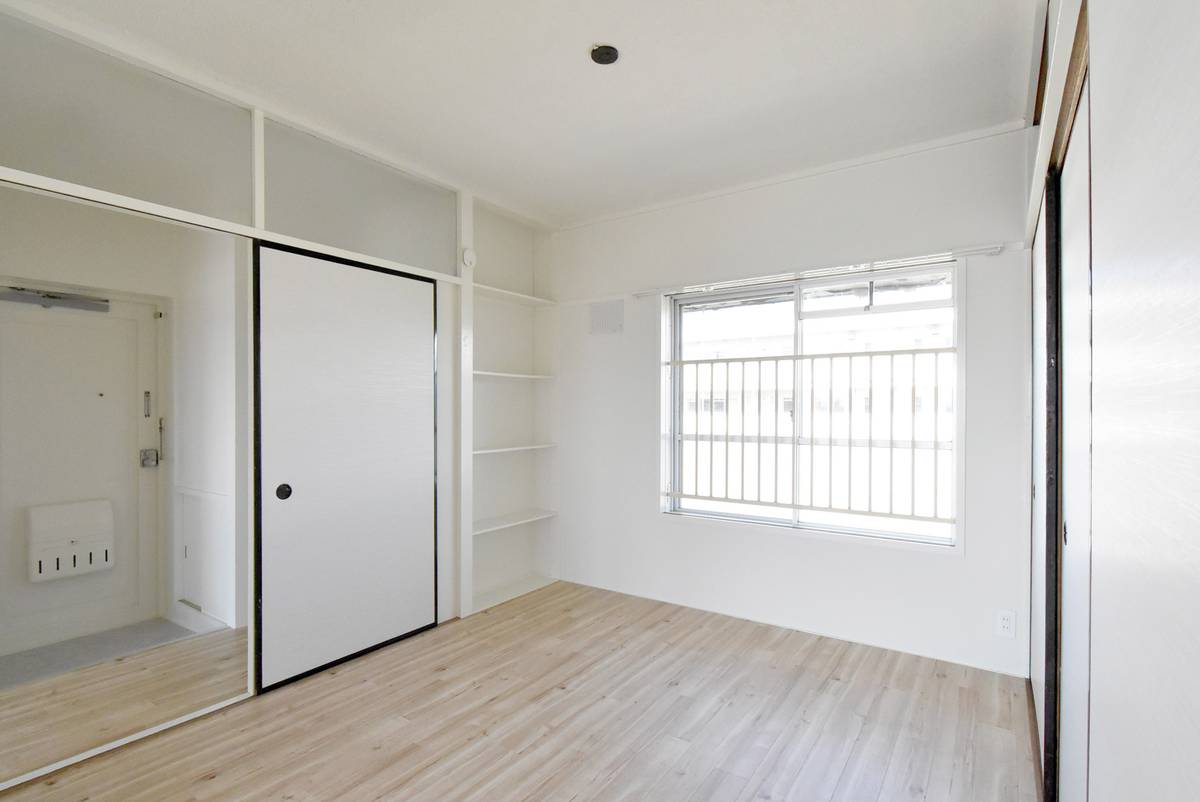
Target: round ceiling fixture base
<point>604,54</point>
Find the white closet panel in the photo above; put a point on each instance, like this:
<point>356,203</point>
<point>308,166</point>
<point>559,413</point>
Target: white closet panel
<point>323,193</point>
<point>1037,574</point>
<point>78,115</point>
<point>1075,608</point>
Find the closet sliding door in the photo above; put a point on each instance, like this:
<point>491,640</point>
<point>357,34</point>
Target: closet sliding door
<point>346,460</point>
<point>1076,467</point>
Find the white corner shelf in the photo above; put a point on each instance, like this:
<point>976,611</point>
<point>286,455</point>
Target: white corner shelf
<point>512,297</point>
<point>485,525</point>
<point>511,591</point>
<point>513,449</point>
<point>496,374</point>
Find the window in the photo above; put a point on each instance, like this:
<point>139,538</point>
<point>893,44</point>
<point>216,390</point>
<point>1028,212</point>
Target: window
<point>827,403</point>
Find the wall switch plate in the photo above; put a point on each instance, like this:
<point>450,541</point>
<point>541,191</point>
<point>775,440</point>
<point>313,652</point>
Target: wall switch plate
<point>1006,624</point>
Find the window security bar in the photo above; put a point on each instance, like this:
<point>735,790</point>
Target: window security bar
<point>835,354</point>
<point>857,442</point>
<point>868,433</point>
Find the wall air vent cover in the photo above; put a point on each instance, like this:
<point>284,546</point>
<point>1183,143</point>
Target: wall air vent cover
<point>607,317</point>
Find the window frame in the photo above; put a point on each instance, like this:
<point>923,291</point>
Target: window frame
<point>672,401</point>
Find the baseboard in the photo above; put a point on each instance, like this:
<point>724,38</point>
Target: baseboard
<point>190,618</point>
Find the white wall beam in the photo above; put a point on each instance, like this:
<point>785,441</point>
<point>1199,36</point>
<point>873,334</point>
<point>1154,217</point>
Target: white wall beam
<point>466,404</point>
<point>258,145</point>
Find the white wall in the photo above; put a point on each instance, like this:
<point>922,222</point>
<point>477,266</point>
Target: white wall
<point>199,441</point>
<point>952,197</point>
<point>193,273</point>
<point>604,477</point>
<point>1145,700</point>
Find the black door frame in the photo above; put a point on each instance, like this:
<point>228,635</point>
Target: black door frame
<point>1053,495</point>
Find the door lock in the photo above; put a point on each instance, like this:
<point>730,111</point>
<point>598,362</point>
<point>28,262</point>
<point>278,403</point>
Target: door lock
<point>149,457</point>
<point>283,492</point>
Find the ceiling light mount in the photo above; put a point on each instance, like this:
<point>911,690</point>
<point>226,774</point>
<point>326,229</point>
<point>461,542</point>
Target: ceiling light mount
<point>604,54</point>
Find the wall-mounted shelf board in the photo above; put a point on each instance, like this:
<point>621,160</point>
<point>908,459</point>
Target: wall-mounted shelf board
<point>485,525</point>
<point>510,449</point>
<point>514,297</point>
<point>511,591</point>
<point>496,374</point>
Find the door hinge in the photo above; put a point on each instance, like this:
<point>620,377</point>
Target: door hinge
<point>146,404</point>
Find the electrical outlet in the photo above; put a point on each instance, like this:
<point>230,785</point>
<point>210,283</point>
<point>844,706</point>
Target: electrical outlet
<point>1006,624</point>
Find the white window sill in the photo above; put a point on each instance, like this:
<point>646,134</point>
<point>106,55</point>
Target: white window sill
<point>865,537</point>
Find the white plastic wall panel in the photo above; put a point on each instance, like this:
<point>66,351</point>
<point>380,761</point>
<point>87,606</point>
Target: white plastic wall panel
<point>79,115</point>
<point>321,192</point>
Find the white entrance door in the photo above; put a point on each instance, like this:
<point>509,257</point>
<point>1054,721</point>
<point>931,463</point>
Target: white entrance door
<point>346,477</point>
<point>1076,337</point>
<point>73,416</point>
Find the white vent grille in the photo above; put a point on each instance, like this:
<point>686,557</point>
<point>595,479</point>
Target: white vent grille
<point>607,317</point>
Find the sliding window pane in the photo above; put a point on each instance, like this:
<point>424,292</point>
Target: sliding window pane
<point>912,289</point>
<point>878,331</point>
<point>738,329</point>
<point>828,299</point>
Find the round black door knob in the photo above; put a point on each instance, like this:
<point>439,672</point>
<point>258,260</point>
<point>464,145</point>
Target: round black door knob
<point>283,492</point>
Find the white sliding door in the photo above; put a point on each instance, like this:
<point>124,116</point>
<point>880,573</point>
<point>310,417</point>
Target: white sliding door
<point>346,400</point>
<point>1076,411</point>
<point>1037,618</point>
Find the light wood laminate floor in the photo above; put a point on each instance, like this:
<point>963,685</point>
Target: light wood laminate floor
<point>48,720</point>
<point>574,693</point>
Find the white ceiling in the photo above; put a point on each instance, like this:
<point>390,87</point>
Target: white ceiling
<point>501,98</point>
